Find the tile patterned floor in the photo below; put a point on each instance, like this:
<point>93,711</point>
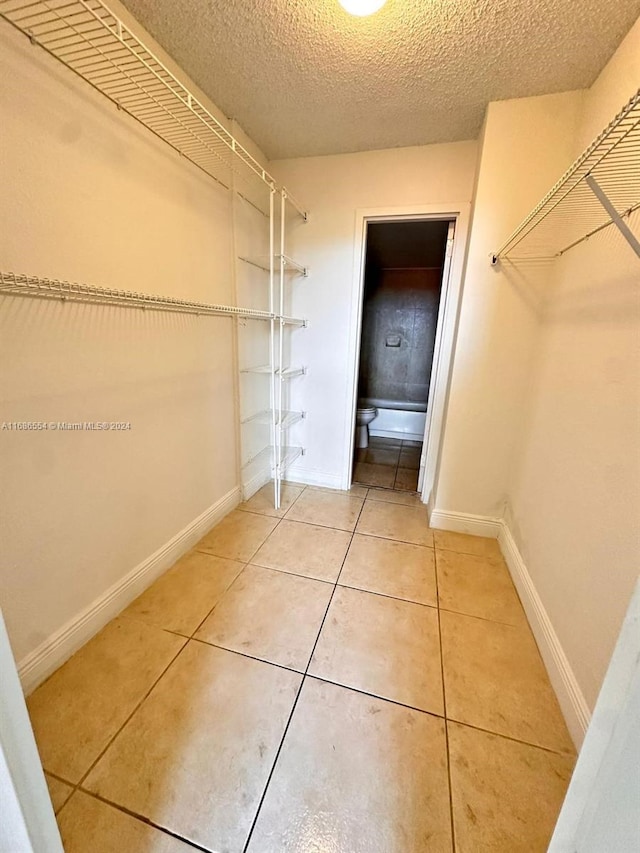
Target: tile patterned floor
<point>388,463</point>
<point>334,676</point>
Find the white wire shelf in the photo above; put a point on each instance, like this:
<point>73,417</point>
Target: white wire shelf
<point>289,265</point>
<point>264,457</point>
<point>89,38</point>
<point>16,284</point>
<point>264,418</point>
<point>293,266</point>
<point>288,456</point>
<point>286,373</point>
<point>261,457</point>
<point>600,189</point>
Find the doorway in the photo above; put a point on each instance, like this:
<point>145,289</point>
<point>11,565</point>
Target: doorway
<point>401,376</point>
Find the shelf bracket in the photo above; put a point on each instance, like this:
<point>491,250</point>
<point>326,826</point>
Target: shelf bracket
<point>616,218</point>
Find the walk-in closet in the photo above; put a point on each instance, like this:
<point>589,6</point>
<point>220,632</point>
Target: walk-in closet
<point>319,418</point>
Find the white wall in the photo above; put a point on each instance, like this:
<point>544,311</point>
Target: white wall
<point>91,196</point>
<point>333,188</point>
<point>526,145</point>
<point>574,493</point>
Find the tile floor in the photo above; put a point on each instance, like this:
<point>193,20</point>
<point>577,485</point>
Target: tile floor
<point>388,463</point>
<point>334,676</point>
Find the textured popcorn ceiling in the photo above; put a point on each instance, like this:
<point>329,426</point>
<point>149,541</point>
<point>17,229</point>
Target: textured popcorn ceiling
<point>303,77</point>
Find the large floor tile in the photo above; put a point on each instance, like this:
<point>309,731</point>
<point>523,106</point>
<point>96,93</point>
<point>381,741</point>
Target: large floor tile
<point>355,491</point>
<point>263,500</point>
<point>478,546</point>
<point>58,791</point>
<point>391,497</point>
<point>477,586</point>
<point>495,679</point>
<point>392,521</point>
<point>410,457</point>
<point>391,568</point>
<point>90,826</point>
<point>406,480</point>
<point>77,711</point>
<point>374,475</point>
<point>506,795</point>
<point>382,646</point>
<point>196,756</point>
<point>184,596</point>
<point>356,775</point>
<point>305,549</point>
<point>327,509</point>
<point>379,455</point>
<point>269,615</point>
<point>238,536</point>
<point>382,441</point>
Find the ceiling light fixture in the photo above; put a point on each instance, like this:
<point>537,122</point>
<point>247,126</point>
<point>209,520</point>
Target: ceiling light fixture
<point>361,8</point>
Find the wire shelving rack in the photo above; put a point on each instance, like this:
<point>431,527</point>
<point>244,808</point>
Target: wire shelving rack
<point>91,40</point>
<point>600,189</point>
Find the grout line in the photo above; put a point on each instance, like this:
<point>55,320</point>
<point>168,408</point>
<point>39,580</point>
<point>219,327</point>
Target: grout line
<point>146,695</point>
<point>302,681</point>
<point>377,696</point>
<point>387,595</point>
<point>444,704</point>
<point>245,655</point>
<point>143,819</point>
<point>563,753</point>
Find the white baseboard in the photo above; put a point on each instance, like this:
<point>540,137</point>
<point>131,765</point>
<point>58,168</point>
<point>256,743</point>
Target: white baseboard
<point>56,649</point>
<point>313,477</point>
<point>572,702</point>
<point>401,436</point>
<point>462,522</point>
<point>255,483</point>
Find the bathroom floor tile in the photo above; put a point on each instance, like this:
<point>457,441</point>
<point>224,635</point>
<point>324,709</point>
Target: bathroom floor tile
<point>389,496</point>
<point>77,711</point>
<point>374,475</point>
<point>86,824</point>
<point>380,455</point>
<point>305,549</point>
<point>506,795</point>
<point>495,680</point>
<point>391,568</point>
<point>406,480</point>
<point>477,586</point>
<point>393,521</point>
<point>411,443</point>
<point>410,457</point>
<point>382,646</point>
<point>269,615</point>
<point>326,509</point>
<point>262,501</point>
<point>462,543</point>
<point>381,441</point>
<point>196,756</point>
<point>58,791</point>
<point>182,597</point>
<point>357,774</point>
<point>238,536</point>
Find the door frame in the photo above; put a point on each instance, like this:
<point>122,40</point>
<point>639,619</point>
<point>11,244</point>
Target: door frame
<point>445,332</point>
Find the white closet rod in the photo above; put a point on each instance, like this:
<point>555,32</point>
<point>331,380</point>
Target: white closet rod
<point>16,284</point>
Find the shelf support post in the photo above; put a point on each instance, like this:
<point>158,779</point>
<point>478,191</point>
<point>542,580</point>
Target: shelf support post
<point>617,220</point>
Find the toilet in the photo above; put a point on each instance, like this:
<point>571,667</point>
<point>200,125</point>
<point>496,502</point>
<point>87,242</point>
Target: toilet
<point>364,416</point>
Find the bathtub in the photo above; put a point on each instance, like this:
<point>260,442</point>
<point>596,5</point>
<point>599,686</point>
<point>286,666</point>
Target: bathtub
<point>397,418</point>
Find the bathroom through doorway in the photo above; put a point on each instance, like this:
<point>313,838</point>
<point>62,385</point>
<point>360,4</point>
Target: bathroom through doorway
<point>405,271</point>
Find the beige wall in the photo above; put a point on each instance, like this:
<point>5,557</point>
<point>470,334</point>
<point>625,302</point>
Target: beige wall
<point>334,188</point>
<point>91,196</point>
<point>574,494</point>
<point>526,145</point>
